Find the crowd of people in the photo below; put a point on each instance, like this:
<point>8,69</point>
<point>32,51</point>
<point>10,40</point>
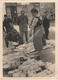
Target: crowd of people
<point>37,26</point>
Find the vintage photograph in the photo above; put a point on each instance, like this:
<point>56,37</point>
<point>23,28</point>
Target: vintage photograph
<point>29,39</point>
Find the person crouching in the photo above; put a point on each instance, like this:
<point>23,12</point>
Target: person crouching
<point>12,35</point>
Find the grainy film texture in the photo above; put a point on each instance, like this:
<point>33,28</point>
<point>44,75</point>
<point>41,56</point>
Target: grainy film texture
<point>29,39</point>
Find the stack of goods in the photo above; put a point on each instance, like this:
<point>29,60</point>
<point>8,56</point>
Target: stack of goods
<point>17,64</point>
<point>12,61</point>
<point>33,68</point>
<point>30,68</point>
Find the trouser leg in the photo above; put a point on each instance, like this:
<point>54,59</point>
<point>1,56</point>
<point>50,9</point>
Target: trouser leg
<point>6,41</point>
<point>44,40</point>
<point>26,36</point>
<point>22,37</point>
<point>46,33</point>
<point>7,30</point>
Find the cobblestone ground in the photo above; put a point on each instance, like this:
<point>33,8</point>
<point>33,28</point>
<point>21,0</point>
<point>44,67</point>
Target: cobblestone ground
<point>47,58</point>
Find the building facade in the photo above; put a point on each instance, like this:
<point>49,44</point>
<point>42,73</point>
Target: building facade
<point>14,9</point>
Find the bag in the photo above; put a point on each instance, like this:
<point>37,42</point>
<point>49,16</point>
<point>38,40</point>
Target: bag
<point>14,32</point>
<point>13,35</point>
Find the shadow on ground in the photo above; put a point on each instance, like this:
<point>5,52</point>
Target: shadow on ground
<point>48,55</point>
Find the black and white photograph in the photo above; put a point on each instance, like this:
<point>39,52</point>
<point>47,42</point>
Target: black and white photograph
<point>29,39</point>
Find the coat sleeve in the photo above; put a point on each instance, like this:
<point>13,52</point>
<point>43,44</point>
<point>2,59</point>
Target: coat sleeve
<point>18,21</point>
<point>26,19</point>
<point>3,26</point>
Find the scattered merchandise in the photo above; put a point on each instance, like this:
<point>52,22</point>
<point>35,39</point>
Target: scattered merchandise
<point>17,63</point>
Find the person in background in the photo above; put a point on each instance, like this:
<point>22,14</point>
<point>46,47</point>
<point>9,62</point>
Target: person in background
<point>15,20</point>
<point>12,35</point>
<point>23,26</point>
<point>37,29</point>
<point>46,25</point>
<point>9,17</point>
<point>6,24</point>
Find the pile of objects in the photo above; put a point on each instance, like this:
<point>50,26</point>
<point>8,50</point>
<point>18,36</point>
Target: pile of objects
<point>49,44</point>
<point>30,68</point>
<point>17,62</point>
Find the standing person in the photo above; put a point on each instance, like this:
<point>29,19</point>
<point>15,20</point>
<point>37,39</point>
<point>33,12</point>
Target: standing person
<point>37,31</point>
<point>23,26</point>
<point>14,19</point>
<point>46,26</point>
<point>6,23</point>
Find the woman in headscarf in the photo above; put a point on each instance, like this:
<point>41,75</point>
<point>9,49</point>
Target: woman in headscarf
<point>37,28</point>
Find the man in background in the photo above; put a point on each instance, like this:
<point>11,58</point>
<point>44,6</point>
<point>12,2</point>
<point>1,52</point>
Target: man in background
<point>46,25</point>
<point>6,24</point>
<point>23,26</point>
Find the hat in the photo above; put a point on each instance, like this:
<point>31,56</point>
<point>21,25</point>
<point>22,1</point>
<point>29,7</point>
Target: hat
<point>34,10</point>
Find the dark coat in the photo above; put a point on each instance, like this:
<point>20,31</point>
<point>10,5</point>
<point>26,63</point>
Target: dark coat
<point>46,23</point>
<point>6,24</point>
<point>23,22</point>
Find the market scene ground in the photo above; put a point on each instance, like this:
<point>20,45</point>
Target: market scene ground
<point>21,61</point>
